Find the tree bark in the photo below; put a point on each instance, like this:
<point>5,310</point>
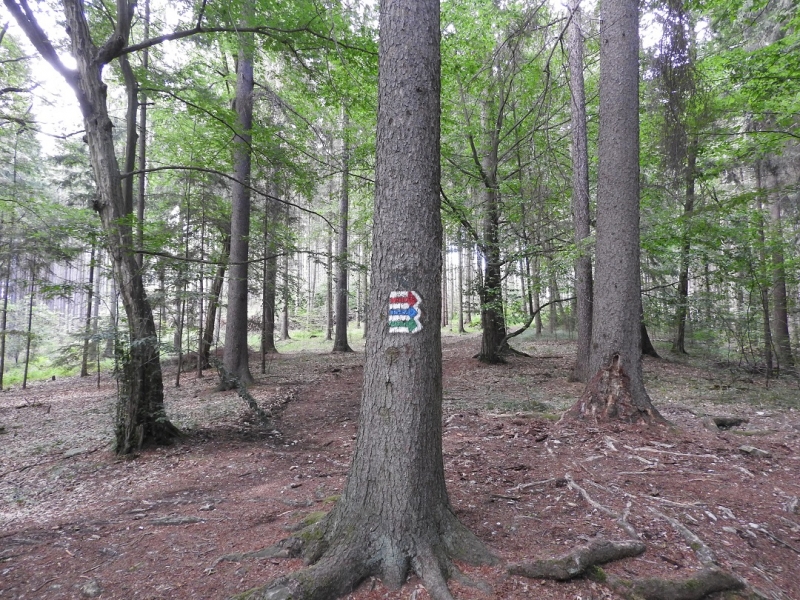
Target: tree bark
<point>679,345</point>
<point>616,357</point>
<point>270,277</point>
<point>143,144</point>
<point>31,290</point>
<point>780,312</point>
<point>762,273</point>
<point>236,361</point>
<point>213,302</point>
<point>394,515</point>
<point>140,419</point>
<point>340,343</point>
<point>580,197</point>
<point>87,330</point>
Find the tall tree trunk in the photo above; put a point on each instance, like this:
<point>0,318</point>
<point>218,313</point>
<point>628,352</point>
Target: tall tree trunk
<point>213,302</point>
<point>236,361</point>
<point>141,419</point>
<point>285,297</point>
<point>87,330</point>
<point>780,312</point>
<point>617,391</point>
<point>270,276</point>
<point>491,293</point>
<point>142,143</point>
<point>762,273</point>
<point>29,329</point>
<point>580,198</point>
<point>340,343</point>
<point>461,283</point>
<point>394,515</point>
<point>679,344</point>
<point>329,289</point>
<point>4,319</point>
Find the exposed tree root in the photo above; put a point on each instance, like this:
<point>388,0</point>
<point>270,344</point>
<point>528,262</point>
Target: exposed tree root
<point>227,381</point>
<point>577,562</point>
<point>699,586</point>
<point>339,563</point>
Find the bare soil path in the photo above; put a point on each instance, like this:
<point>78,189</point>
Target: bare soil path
<point>76,522</point>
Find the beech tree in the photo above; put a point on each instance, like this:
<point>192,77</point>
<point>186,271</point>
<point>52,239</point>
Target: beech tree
<point>394,515</point>
<point>617,389</point>
<point>141,419</point>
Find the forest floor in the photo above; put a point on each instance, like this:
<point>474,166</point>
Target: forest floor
<point>76,521</point>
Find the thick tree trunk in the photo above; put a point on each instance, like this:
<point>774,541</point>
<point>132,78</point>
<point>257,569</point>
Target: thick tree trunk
<point>394,515</point>
<point>580,198</point>
<point>140,418</point>
<point>236,360</point>
<point>780,312</point>
<point>493,323</point>
<point>616,357</point>
<point>340,343</point>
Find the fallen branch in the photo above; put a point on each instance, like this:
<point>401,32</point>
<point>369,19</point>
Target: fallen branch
<point>527,323</point>
<point>577,562</point>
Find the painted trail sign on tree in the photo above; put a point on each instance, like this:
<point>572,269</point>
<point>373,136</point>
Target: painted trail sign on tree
<point>405,314</point>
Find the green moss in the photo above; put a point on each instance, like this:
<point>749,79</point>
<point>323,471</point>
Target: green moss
<point>245,595</point>
<point>314,517</point>
<point>597,574</point>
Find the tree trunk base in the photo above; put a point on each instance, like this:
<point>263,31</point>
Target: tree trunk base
<point>339,563</point>
<point>608,397</point>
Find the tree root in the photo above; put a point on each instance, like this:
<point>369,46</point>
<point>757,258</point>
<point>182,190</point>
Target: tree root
<point>577,562</point>
<point>708,581</point>
<point>339,563</point>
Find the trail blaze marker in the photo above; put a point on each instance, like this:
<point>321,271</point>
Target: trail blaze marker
<point>405,315</point>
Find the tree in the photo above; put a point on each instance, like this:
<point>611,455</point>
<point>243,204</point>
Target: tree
<point>236,360</point>
<point>141,419</point>
<point>340,343</point>
<point>617,389</point>
<point>580,196</point>
<point>394,515</point>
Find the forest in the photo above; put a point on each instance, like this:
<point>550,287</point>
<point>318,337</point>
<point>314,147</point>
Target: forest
<point>253,186</point>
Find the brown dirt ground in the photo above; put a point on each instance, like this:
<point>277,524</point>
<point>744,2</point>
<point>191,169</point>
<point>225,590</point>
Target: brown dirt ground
<point>76,521</point>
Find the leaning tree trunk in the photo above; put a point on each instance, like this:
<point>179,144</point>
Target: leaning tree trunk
<point>617,391</point>
<point>140,418</point>
<point>236,363</point>
<point>580,197</point>
<point>394,515</point>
